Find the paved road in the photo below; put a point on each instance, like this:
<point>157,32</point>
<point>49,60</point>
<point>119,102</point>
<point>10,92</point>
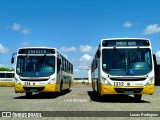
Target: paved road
<point>80,98</point>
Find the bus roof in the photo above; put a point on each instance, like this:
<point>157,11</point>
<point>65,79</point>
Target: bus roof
<point>111,42</point>
<point>37,48</point>
<point>125,39</point>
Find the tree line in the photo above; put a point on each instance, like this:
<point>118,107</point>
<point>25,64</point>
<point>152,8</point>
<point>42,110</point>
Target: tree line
<point>5,69</point>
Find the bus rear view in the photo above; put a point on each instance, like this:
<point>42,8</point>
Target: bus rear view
<point>124,66</point>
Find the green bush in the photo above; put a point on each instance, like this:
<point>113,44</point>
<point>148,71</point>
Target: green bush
<point>5,69</point>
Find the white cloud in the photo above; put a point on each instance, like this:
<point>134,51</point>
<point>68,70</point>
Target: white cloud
<point>76,70</point>
<point>81,65</point>
<point>16,26</point>
<point>25,31</point>
<point>19,28</point>
<point>85,48</point>
<point>151,29</point>
<point>1,65</point>
<point>25,43</point>
<point>158,54</point>
<point>85,67</point>
<point>127,24</point>
<point>65,56</point>
<point>70,49</point>
<point>86,58</point>
<point>81,71</point>
<point>158,57</point>
<point>3,49</point>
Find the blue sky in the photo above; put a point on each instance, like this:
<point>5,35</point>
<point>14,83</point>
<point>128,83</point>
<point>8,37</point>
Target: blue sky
<point>75,27</point>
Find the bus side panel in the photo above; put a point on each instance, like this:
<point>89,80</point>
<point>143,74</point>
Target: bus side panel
<point>93,80</point>
<point>99,66</point>
<point>66,81</point>
<point>52,88</point>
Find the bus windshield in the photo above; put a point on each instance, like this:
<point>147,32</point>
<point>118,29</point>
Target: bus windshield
<point>35,66</point>
<point>126,61</point>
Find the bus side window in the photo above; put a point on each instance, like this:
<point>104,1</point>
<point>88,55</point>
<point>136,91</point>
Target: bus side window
<point>58,64</point>
<point>2,75</point>
<point>62,64</point>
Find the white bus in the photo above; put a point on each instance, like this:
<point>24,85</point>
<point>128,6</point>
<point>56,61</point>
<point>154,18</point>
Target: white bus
<point>123,66</point>
<point>41,69</point>
<point>6,78</point>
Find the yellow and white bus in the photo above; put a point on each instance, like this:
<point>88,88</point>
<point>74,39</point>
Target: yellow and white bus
<point>41,69</point>
<point>6,78</point>
<point>123,66</point>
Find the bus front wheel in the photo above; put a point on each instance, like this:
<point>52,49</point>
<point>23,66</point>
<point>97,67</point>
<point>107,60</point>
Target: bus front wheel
<point>28,94</point>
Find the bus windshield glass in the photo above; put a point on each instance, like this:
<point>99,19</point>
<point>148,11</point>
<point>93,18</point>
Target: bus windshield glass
<point>35,66</point>
<point>126,61</point>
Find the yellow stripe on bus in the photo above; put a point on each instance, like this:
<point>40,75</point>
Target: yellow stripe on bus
<point>104,89</point>
<point>47,88</point>
<point>6,83</point>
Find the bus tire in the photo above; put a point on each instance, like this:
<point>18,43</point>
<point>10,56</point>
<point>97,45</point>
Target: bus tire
<point>56,94</point>
<point>68,90</point>
<point>28,94</point>
<point>69,84</point>
<point>137,97</point>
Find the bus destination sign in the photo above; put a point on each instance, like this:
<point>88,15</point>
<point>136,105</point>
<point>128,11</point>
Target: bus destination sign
<point>36,51</point>
<point>122,43</point>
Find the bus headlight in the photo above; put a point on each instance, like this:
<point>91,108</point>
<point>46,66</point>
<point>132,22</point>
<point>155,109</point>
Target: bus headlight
<point>105,81</point>
<point>51,82</point>
<point>17,81</point>
<point>150,81</point>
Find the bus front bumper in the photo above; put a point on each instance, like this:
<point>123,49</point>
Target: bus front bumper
<point>36,88</point>
<point>105,89</point>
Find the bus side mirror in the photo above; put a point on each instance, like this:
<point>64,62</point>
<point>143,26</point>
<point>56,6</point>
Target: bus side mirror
<point>98,54</point>
<point>12,60</point>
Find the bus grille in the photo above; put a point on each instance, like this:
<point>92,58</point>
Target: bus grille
<point>32,88</point>
<point>135,90</point>
<point>128,78</point>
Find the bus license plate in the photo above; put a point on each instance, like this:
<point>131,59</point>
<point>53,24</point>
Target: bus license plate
<point>128,92</point>
<point>33,90</point>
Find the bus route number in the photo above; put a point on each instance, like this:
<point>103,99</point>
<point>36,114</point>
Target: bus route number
<point>27,83</point>
<point>118,83</point>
